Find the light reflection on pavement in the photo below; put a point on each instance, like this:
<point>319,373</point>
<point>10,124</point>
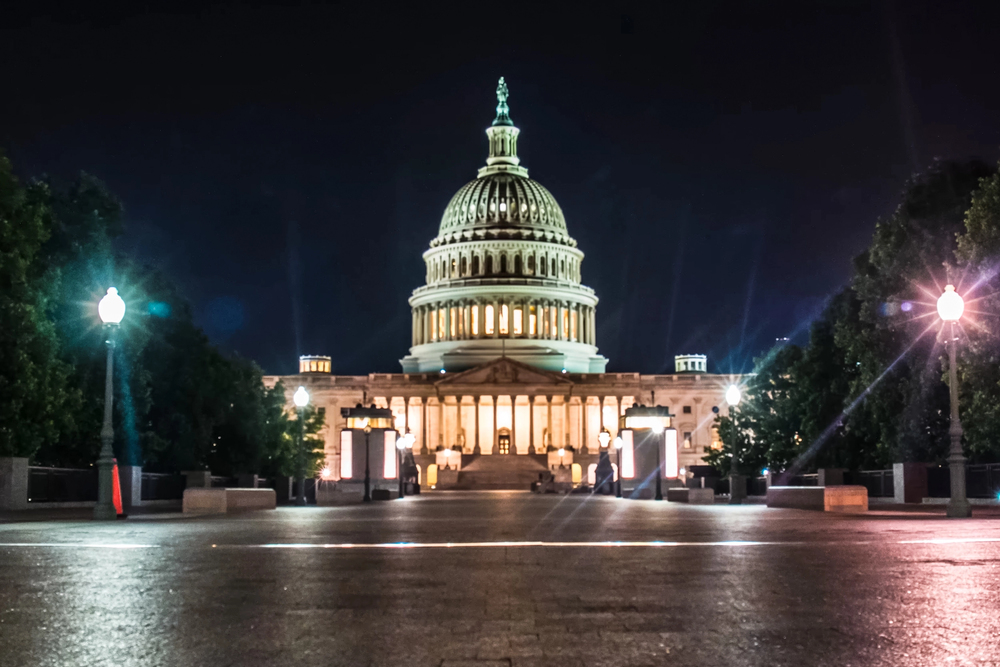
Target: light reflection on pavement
<point>504,579</point>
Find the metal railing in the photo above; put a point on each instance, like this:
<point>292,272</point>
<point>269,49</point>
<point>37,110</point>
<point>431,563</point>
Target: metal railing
<point>156,486</point>
<point>880,483</point>
<point>61,485</point>
<point>982,480</point>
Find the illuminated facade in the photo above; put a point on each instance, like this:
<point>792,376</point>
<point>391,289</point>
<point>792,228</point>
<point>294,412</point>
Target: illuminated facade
<point>503,357</point>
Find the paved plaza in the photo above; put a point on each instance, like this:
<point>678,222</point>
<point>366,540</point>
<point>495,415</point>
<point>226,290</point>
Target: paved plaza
<point>504,578</point>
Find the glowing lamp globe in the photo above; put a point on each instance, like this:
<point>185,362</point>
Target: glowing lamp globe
<point>619,443</point>
<point>301,397</point>
<point>733,395</point>
<point>401,443</point>
<point>561,451</point>
<point>604,437</point>
<point>111,307</point>
<point>658,427</point>
<point>950,305</point>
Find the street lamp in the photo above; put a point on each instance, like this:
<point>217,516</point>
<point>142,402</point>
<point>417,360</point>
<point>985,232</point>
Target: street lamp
<point>736,494</point>
<point>561,452</point>
<point>604,437</point>
<point>301,400</point>
<point>368,477</point>
<point>111,308</point>
<point>402,443</point>
<point>950,307</point>
<point>660,444</point>
<point>619,443</point>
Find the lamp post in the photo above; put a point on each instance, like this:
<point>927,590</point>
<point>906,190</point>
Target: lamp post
<point>368,477</point>
<point>403,443</point>
<point>950,307</point>
<point>619,443</point>
<point>661,443</point>
<point>301,400</point>
<point>733,396</point>
<point>604,437</point>
<point>111,308</point>
<point>561,452</point>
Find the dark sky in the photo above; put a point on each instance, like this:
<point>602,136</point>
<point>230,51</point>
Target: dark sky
<point>719,165</point>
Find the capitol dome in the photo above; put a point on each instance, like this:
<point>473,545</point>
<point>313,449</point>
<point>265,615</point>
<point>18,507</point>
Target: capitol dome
<point>503,205</point>
<point>503,274</point>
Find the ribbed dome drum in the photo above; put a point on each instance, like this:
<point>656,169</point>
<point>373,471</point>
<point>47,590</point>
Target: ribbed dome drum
<point>503,205</point>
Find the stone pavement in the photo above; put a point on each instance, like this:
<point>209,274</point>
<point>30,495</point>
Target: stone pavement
<point>504,578</point>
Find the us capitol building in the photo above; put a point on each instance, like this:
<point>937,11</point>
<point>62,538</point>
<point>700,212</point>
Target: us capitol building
<point>504,357</point>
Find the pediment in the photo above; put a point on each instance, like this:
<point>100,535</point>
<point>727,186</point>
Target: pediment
<point>505,371</point>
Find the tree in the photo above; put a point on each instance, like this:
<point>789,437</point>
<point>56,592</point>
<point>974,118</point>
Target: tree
<point>904,409</point>
<point>284,460</point>
<point>33,389</point>
<point>979,365</point>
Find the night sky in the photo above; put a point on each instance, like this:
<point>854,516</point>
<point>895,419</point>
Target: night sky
<point>288,165</point>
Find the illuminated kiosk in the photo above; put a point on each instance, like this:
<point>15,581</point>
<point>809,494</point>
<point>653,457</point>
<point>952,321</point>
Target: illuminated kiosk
<point>369,438</point>
<point>649,452</point>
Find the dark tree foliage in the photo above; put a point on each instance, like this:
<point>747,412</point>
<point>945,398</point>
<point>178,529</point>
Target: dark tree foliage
<point>180,403</point>
<point>35,399</point>
<point>868,388</point>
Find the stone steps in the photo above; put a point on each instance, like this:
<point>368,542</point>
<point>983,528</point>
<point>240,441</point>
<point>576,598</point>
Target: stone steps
<point>501,472</point>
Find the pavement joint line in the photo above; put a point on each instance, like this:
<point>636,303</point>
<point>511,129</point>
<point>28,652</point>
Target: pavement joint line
<point>509,544</point>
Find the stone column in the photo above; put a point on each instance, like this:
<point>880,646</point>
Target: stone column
<point>458,421</point>
<point>531,424</point>
<point>447,320</point>
<point>548,406</point>
<point>441,421</point>
<point>413,326</point>
<point>496,322</point>
<point>566,429</point>
<point>423,425</point>
<point>467,318</point>
<point>513,423</point>
<point>477,450</point>
<point>496,431</point>
<point>618,414</point>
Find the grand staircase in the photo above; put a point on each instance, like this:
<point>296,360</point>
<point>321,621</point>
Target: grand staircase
<point>501,471</point>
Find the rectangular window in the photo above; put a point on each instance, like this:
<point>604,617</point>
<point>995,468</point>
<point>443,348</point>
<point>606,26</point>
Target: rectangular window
<point>454,323</point>
<point>441,324</point>
<point>532,322</point>
<point>565,324</point>
<point>518,314</point>
<point>503,320</point>
<point>687,409</point>
<point>488,325</point>
<point>475,320</point>
<point>572,324</point>
<point>687,439</point>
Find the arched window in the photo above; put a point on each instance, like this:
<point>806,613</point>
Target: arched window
<point>489,265</point>
<point>554,268</point>
<point>541,265</point>
<point>531,263</point>
<point>503,262</point>
<point>562,268</point>
<point>465,265</point>
<point>517,265</point>
<point>475,265</point>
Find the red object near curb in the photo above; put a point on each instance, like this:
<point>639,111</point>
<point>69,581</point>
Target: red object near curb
<point>116,490</point>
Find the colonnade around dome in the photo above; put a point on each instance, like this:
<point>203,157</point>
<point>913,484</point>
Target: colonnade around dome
<point>482,319</point>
